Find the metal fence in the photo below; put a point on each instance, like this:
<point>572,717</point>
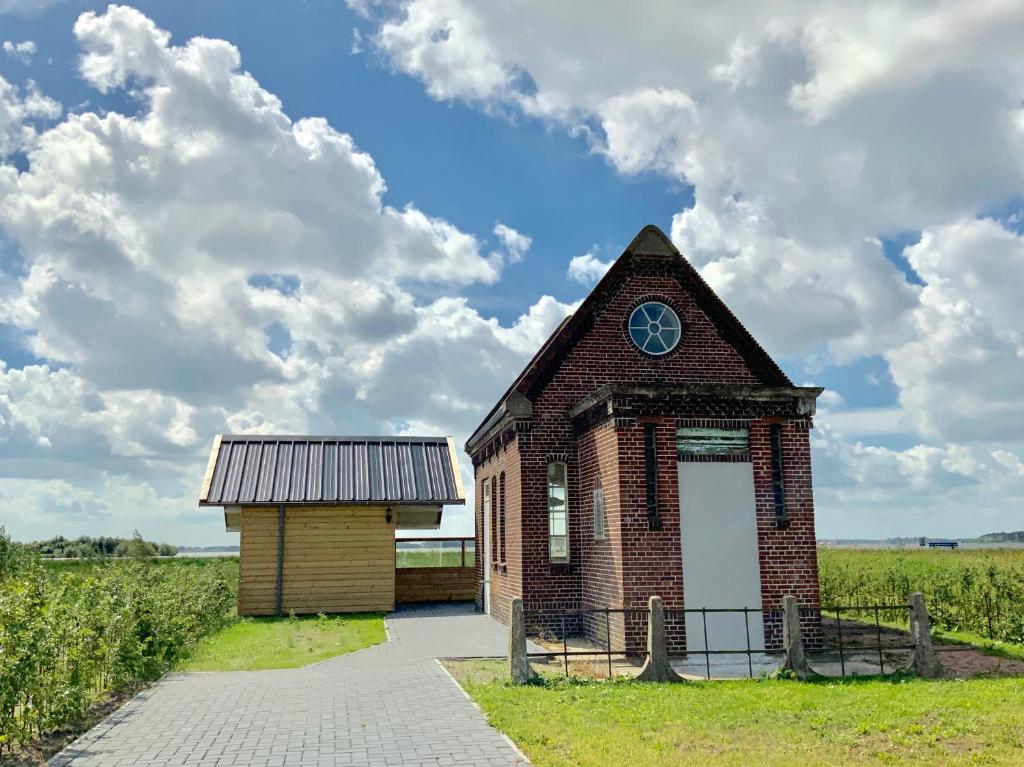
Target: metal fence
<point>768,618</point>
<point>560,625</point>
<point>853,631</point>
<point>840,640</point>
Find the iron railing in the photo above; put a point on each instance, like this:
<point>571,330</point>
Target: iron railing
<point>563,619</point>
<point>749,650</point>
<point>848,633</point>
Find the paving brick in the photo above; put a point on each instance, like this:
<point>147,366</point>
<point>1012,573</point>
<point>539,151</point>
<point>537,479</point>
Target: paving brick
<point>386,705</point>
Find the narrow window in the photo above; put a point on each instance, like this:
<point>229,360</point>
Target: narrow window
<point>485,494</point>
<point>598,512</point>
<point>558,513</point>
<point>651,477</point>
<point>778,485</point>
<point>495,532</point>
<point>501,517</point>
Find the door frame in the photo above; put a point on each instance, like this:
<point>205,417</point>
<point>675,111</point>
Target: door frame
<point>753,565</point>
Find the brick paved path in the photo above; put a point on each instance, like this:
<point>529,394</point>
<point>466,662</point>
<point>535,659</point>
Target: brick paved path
<point>386,705</point>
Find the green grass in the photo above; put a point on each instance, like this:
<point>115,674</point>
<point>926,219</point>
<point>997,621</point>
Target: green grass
<point>435,558</point>
<point>866,721</point>
<point>253,644</point>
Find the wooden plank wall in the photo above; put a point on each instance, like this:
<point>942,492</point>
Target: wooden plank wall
<point>335,560</point>
<point>435,584</point>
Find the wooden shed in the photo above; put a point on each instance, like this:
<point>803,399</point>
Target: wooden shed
<point>317,515</point>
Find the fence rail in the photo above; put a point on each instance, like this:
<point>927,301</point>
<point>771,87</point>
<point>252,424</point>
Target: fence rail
<point>422,551</point>
<point>861,635</point>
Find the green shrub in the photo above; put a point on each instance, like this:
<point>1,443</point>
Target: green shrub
<point>980,592</point>
<point>69,636</point>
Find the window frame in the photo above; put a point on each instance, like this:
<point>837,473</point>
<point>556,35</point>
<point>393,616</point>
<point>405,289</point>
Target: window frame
<point>644,323</point>
<point>501,518</point>
<point>495,540</point>
<point>485,511</point>
<point>597,501</point>
<point>559,560</point>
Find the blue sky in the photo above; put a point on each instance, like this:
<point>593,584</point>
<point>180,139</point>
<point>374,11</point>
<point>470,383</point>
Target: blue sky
<point>869,255</point>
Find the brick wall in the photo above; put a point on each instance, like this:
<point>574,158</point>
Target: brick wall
<point>505,578</point>
<point>635,562</point>
<point>601,559</point>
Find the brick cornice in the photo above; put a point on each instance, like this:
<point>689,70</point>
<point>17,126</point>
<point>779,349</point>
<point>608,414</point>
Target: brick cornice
<point>626,403</point>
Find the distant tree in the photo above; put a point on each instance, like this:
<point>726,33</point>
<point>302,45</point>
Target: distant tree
<point>135,547</point>
<point>166,550</point>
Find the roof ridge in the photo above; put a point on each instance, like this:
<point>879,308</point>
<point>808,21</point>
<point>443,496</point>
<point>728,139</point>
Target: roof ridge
<point>649,241</point>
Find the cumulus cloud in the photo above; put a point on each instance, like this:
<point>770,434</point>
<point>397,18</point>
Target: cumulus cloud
<point>168,251</point>
<point>21,110</point>
<point>960,373</point>
<point>514,245</point>
<point>810,135</point>
<point>587,269</point>
<point>809,132</point>
<point>23,51</point>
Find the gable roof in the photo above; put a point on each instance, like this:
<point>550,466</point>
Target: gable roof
<point>272,470</point>
<point>650,241</point>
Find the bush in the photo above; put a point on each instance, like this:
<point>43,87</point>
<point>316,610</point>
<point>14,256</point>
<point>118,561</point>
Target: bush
<point>66,638</point>
<point>980,592</point>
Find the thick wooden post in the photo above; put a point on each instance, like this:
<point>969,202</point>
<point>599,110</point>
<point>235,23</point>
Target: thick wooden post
<point>280,559</point>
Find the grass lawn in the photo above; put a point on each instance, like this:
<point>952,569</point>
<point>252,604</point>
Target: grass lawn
<point>432,558</point>
<point>861,721</point>
<point>251,644</point>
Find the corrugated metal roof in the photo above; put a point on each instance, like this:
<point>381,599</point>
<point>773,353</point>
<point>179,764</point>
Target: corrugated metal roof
<point>272,470</point>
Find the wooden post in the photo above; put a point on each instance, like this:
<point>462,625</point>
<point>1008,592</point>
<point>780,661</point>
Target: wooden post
<point>280,559</point>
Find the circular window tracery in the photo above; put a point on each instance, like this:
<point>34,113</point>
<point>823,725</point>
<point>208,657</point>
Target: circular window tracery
<point>655,328</point>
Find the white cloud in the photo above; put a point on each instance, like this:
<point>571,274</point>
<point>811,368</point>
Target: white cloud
<point>961,372</point>
<point>514,245</point>
<point>810,134</point>
<point>587,269</point>
<point>808,130</point>
<point>20,109</point>
<point>162,250</point>
<point>23,51</point>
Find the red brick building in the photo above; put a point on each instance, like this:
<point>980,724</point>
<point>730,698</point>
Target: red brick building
<point>651,446</point>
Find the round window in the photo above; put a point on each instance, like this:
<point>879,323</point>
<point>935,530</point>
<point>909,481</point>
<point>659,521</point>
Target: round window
<point>654,328</point>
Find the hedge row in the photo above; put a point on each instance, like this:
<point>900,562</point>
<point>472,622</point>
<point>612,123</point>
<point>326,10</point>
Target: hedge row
<point>980,592</point>
<point>66,638</point>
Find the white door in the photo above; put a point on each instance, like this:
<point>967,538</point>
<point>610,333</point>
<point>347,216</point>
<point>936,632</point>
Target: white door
<point>720,563</point>
<point>486,490</point>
